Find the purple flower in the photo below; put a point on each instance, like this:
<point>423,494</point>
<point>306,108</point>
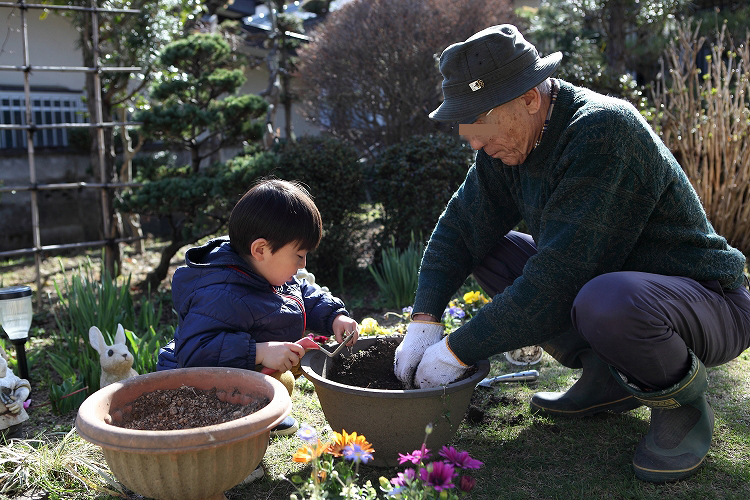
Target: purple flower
<point>439,475</point>
<point>407,310</point>
<point>456,312</point>
<point>355,453</point>
<point>467,483</point>
<point>403,478</point>
<point>459,459</point>
<point>307,434</point>
<point>415,457</point>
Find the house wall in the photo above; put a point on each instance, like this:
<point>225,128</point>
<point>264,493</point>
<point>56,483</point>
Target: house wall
<point>51,42</point>
<point>257,81</point>
<point>65,216</point>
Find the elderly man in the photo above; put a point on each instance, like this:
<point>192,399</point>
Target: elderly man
<point>622,274</point>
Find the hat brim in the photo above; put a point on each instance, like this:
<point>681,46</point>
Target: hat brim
<point>466,108</point>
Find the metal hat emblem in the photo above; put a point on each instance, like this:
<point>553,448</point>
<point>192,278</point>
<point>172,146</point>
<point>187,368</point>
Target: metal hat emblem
<point>476,85</point>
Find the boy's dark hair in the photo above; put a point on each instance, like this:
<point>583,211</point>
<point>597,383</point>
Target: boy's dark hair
<point>279,211</point>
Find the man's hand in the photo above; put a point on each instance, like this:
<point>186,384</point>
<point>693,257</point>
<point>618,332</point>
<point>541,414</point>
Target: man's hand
<point>419,336</point>
<point>439,366</point>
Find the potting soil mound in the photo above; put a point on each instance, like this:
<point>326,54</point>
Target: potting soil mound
<point>184,408</point>
<point>372,368</point>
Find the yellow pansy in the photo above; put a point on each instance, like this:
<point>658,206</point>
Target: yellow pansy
<point>369,325</point>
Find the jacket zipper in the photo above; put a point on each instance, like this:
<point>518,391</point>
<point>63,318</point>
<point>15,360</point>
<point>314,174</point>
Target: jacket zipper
<point>299,302</point>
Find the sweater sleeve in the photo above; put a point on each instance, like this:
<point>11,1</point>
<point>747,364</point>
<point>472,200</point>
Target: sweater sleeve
<point>481,209</point>
<point>595,212</point>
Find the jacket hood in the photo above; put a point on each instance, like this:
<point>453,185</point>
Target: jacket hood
<point>218,254</point>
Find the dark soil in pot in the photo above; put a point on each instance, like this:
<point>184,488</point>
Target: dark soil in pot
<point>372,368</point>
<point>184,408</point>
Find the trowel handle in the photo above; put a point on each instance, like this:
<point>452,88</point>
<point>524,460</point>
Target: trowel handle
<point>307,342</point>
<point>525,376</point>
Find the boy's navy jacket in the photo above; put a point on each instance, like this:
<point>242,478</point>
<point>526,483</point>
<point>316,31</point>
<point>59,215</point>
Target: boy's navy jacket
<point>224,308</point>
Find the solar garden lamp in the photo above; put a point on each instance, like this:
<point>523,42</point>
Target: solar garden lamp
<point>15,318</point>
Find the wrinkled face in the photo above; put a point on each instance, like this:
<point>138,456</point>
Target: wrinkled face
<point>507,132</point>
<point>280,266</point>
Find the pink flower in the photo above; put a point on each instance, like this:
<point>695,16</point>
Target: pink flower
<point>459,459</point>
<point>415,457</point>
<point>403,478</point>
<point>467,483</point>
<point>439,475</point>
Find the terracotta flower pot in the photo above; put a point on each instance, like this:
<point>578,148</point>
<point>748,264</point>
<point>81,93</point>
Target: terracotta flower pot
<point>187,464</point>
<point>393,421</point>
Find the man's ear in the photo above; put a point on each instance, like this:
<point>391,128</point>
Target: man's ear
<point>259,249</point>
<point>533,100</point>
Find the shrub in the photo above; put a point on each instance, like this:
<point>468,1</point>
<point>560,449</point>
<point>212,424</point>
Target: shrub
<point>331,171</point>
<point>703,118</point>
<point>414,180</point>
<point>370,74</point>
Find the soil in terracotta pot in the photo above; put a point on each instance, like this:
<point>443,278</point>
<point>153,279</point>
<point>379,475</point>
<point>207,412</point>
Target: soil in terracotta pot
<point>184,408</point>
<point>371,368</point>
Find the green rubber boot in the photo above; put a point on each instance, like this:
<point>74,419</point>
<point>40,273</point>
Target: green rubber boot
<point>682,424</point>
<point>596,391</point>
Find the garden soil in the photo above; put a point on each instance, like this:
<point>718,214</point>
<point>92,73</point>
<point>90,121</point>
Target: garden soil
<point>184,408</point>
<point>372,368</point>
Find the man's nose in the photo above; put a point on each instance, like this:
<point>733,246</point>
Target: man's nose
<point>477,142</point>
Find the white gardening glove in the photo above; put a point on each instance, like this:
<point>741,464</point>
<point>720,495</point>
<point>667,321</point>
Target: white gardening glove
<point>439,366</point>
<point>419,336</point>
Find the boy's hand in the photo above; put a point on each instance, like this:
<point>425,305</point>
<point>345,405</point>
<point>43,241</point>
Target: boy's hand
<point>343,325</point>
<point>279,356</point>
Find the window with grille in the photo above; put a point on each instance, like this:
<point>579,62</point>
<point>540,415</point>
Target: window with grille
<point>46,109</point>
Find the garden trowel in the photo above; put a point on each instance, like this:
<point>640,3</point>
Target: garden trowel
<point>308,343</point>
<point>525,376</point>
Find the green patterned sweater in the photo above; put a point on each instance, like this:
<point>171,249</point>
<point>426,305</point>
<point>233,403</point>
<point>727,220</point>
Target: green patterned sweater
<point>601,193</point>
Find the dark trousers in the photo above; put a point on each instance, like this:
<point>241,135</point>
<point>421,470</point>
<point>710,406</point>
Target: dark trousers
<point>640,323</point>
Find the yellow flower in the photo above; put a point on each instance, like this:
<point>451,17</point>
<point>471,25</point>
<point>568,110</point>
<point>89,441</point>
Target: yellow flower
<point>475,297</point>
<point>369,325</point>
<point>340,441</point>
<point>310,452</point>
<point>471,297</point>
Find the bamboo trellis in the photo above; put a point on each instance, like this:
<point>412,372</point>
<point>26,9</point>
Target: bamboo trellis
<point>103,186</point>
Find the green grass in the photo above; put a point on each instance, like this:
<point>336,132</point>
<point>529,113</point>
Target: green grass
<point>530,457</point>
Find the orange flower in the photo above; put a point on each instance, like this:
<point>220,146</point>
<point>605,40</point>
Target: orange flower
<point>340,441</point>
<point>310,452</point>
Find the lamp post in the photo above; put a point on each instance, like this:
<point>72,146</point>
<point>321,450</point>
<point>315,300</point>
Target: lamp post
<point>15,318</point>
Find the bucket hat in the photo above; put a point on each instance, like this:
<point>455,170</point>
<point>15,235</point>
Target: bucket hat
<point>490,68</point>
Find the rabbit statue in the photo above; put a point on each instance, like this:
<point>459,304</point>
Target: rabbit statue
<point>115,359</point>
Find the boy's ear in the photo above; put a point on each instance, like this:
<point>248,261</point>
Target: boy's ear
<point>259,249</point>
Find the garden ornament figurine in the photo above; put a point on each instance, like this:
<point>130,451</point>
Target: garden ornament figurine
<point>116,361</point>
<point>13,392</point>
<point>621,273</point>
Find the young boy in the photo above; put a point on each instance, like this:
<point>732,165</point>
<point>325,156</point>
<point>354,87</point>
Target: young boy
<point>238,301</point>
